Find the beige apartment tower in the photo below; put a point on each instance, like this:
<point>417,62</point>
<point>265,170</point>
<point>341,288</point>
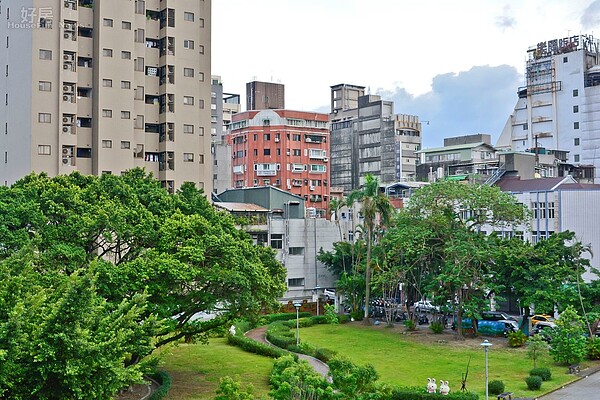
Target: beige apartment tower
<point>103,86</point>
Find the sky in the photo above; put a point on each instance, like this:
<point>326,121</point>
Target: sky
<point>455,64</point>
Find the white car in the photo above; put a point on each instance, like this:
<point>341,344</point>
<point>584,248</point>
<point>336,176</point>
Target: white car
<point>425,306</point>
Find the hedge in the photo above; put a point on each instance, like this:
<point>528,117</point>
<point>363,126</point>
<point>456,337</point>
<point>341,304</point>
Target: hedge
<point>420,393</point>
<point>164,380</point>
<point>285,316</point>
<point>279,334</point>
<point>252,346</point>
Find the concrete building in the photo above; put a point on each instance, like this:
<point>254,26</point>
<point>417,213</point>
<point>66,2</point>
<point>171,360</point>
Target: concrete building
<point>105,86</point>
<point>277,218</point>
<point>223,107</point>
<point>462,156</point>
<point>265,96</point>
<point>368,138</point>
<point>283,148</point>
<point>558,110</point>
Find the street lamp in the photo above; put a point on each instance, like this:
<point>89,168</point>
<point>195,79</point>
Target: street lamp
<point>486,345</point>
<point>316,297</point>
<point>297,304</point>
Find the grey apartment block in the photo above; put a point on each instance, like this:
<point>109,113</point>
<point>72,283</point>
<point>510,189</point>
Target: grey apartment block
<point>370,139</point>
<point>105,86</point>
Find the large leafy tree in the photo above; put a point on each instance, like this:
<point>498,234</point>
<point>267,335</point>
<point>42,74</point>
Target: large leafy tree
<point>438,243</point>
<point>177,250</point>
<point>377,213</point>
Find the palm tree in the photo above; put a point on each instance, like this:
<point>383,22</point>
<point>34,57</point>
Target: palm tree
<point>335,205</point>
<point>377,211</point>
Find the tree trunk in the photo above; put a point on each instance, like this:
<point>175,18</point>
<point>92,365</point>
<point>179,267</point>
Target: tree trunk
<point>368,278</point>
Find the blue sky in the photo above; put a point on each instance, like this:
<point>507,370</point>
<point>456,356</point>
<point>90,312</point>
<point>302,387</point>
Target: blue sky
<point>456,64</point>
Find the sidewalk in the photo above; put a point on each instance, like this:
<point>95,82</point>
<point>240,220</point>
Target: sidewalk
<point>259,335</point>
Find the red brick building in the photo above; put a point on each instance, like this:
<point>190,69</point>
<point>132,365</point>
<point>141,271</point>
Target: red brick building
<point>283,148</point>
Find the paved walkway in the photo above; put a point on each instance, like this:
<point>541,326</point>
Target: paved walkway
<point>582,389</point>
<point>259,334</point>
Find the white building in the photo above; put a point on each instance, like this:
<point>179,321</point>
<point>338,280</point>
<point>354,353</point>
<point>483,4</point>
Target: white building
<point>558,109</point>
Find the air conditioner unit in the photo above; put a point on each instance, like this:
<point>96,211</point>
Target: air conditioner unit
<point>308,140</point>
<point>69,26</point>
<point>66,160</point>
<point>276,140</point>
<point>325,159</point>
<point>68,57</point>
<point>66,151</point>
<point>66,129</point>
<point>67,120</point>
<point>67,89</point>
<point>312,188</point>
<point>289,186</point>
<point>66,97</point>
<point>67,35</point>
<point>66,66</point>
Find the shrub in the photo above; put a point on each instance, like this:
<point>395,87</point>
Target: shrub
<point>542,372</point>
<point>568,342</point>
<point>516,339</point>
<point>330,314</point>
<point>253,346</point>
<point>285,316</point>
<point>357,315</point>
<point>436,327</point>
<point>593,348</point>
<point>410,325</point>
<point>164,380</point>
<point>280,335</point>
<point>533,382</point>
<point>496,387</point>
<point>319,319</point>
<point>344,318</point>
<point>325,354</point>
<point>242,326</point>
<point>230,389</point>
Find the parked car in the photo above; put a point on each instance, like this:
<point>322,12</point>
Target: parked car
<point>425,306</point>
<point>543,328</point>
<point>510,325</point>
<point>541,318</point>
<point>496,316</point>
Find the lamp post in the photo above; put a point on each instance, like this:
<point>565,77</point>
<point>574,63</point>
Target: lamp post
<point>316,297</point>
<point>486,345</point>
<point>297,304</point>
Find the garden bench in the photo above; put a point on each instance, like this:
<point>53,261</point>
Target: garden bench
<point>573,369</point>
<point>505,395</point>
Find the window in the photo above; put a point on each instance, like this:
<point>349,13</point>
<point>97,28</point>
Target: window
<point>296,282</point>
<point>201,158</point>
<point>138,64</point>
<point>44,118</point>
<point>188,16</point>
<point>201,49</point>
<point>525,126</point>
<point>139,36</point>
<point>107,144</point>
<point>188,44</point>
<point>107,22</point>
<point>125,115</point>
<point>201,22</point>
<point>126,55</point>
<point>296,138</point>
<point>44,149</point>
<point>188,72</point>
<point>296,251</point>
<point>576,158</point>
<point>267,136</point>
<point>565,59</point>
<point>188,128</point>
<point>45,54</point>
<point>45,86</point>
<point>201,76</point>
<point>576,141</point>
<point>201,103</point>
<point>575,92</point>
<point>575,125</point>
<point>575,109</point>
<point>188,157</point>
<point>107,52</point>
<point>125,85</point>
<point>267,152</point>
<point>255,152</point>
<point>126,25</point>
<point>200,131</point>
<point>107,82</point>
<point>296,152</point>
<point>277,240</point>
<point>188,100</point>
<point>107,113</point>
<point>125,144</point>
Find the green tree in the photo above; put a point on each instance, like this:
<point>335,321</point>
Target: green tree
<point>352,381</point>
<point>335,205</point>
<point>230,389</point>
<point>377,212</point>
<point>535,346</point>
<point>568,341</point>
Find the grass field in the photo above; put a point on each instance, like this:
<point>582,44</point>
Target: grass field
<point>197,368</point>
<point>409,359</point>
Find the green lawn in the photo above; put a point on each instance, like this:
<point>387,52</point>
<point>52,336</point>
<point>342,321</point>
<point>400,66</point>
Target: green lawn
<point>408,360</point>
<point>197,368</point>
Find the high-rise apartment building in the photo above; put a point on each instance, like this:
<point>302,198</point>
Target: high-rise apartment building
<point>107,85</point>
<point>283,148</point>
<point>368,138</point>
<point>558,110</point>
<point>265,96</point>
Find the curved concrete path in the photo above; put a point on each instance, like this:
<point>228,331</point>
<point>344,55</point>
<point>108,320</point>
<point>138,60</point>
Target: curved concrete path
<point>259,335</point>
<point>585,388</point>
